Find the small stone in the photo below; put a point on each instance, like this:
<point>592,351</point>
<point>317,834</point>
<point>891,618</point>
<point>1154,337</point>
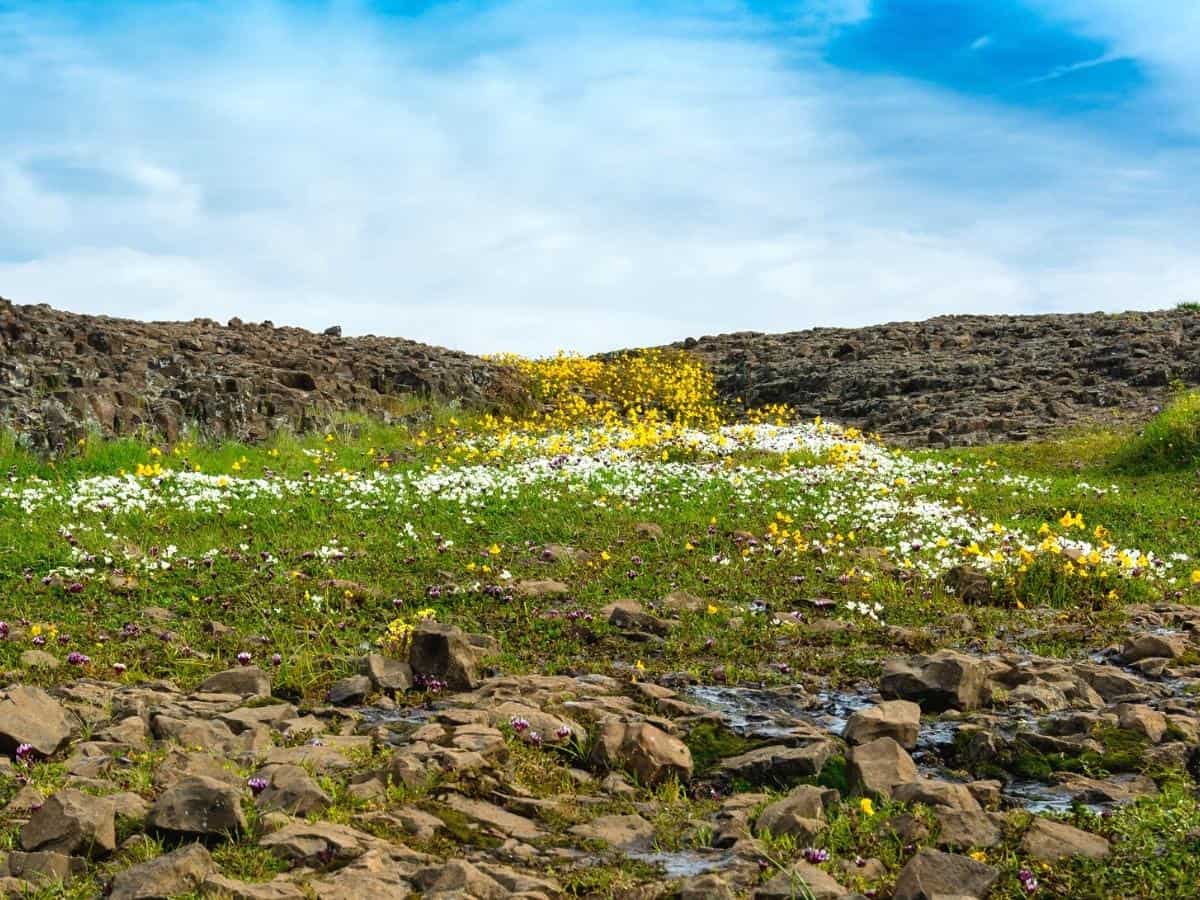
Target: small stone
<point>618,832</point>
<point>44,866</point>
<point>39,659</point>
<point>801,880</point>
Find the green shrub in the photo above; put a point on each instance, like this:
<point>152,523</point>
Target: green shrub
<point>1189,306</point>
<point>1171,440</point>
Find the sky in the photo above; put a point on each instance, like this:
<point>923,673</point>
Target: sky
<point>531,176</point>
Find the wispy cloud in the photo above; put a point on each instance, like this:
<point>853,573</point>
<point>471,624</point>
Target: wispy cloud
<point>510,176</point>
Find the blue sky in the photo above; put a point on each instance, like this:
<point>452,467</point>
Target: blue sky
<point>533,175</point>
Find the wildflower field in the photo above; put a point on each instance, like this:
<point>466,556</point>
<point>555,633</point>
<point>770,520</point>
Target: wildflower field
<point>759,549</point>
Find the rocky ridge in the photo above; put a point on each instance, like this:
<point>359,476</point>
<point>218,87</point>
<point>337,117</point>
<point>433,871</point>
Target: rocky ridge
<point>964,379</point>
<point>62,374</point>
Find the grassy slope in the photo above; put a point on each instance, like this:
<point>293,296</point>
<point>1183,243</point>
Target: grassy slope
<point>270,607</point>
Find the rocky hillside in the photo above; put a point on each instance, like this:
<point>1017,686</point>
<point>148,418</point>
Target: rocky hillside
<point>965,379</point>
<point>62,373</point>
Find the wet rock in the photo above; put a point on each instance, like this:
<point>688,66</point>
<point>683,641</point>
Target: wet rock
<point>647,752</point>
<point>1153,646</point>
<point>168,875</point>
<point>706,887</point>
<point>28,715</point>
<point>801,880</point>
<point>444,652</point>
<point>386,674</point>
<point>246,681</point>
<point>199,806</point>
<point>932,873</point>
<point>898,719</point>
<point>875,768</point>
<point>1049,841</point>
<point>290,789</point>
<point>1142,720</point>
<point>350,691</point>
<point>778,764</point>
<point>944,680</point>
<point>1116,789</point>
<point>72,823</point>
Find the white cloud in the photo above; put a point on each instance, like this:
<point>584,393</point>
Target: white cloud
<point>489,184</point>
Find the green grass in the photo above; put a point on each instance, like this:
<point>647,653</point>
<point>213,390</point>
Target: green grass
<point>259,566</point>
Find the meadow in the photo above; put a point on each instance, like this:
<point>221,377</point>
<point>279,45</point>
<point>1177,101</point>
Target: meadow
<point>783,551</point>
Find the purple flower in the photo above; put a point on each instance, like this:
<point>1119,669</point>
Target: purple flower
<point>244,658</point>
<point>276,659</point>
<point>119,668</point>
<point>3,630</point>
<point>25,753</point>
<point>1028,880</point>
<point>563,732</point>
<point>257,785</point>
<point>534,738</point>
<point>40,640</point>
<point>816,855</point>
<point>518,724</point>
<point>76,658</point>
<point>74,587</point>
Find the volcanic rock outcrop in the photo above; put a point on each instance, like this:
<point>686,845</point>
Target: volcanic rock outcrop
<point>964,379</point>
<point>62,374</point>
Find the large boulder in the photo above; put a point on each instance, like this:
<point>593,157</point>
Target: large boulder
<point>169,875</point>
<point>446,653</point>
<point>28,715</point>
<point>198,806</point>
<point>290,789</point>
<point>944,680</point>
<point>898,719</point>
<point>877,767</point>
<point>1049,841</point>
<point>801,814</point>
<point>72,823</point>
<point>249,681</point>
<point>933,873</point>
<point>645,751</point>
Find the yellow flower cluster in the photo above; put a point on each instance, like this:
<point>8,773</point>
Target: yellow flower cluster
<point>648,386</point>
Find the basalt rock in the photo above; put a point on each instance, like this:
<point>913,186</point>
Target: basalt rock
<point>963,379</point>
<point>63,374</point>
